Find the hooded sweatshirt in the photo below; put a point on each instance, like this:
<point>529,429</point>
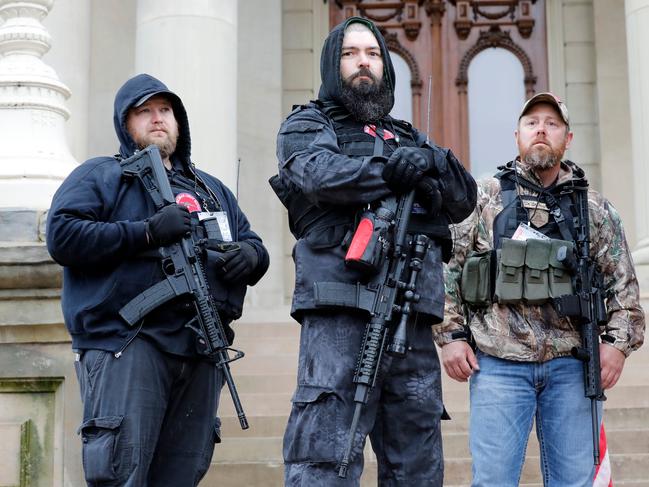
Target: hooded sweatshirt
<point>332,84</point>
<point>96,231</point>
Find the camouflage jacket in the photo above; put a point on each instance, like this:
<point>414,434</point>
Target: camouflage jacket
<point>536,333</point>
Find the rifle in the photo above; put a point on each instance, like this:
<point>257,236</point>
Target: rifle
<point>587,309</point>
<point>387,286</point>
<point>184,275</point>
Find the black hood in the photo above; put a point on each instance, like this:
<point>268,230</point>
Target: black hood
<point>136,88</point>
<point>331,87</point>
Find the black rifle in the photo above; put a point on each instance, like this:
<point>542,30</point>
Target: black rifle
<point>587,309</point>
<point>389,290</point>
<point>185,275</point>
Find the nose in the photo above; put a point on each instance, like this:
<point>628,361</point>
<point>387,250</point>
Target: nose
<point>156,116</point>
<point>363,60</point>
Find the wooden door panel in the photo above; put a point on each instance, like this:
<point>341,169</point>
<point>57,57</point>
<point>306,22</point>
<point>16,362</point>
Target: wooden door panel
<point>439,39</point>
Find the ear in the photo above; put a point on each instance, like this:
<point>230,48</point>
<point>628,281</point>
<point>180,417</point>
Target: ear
<point>569,139</point>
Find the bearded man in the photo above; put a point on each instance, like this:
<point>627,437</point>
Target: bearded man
<point>502,282</point>
<point>339,156</point>
<point>149,395</point>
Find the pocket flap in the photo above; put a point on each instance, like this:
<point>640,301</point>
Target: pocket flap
<point>556,245</point>
<point>537,255</point>
<point>105,422</point>
<point>308,394</point>
<point>513,253</point>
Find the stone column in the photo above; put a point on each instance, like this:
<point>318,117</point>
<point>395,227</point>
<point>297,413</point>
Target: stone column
<point>637,28</point>
<point>34,157</point>
<point>192,47</point>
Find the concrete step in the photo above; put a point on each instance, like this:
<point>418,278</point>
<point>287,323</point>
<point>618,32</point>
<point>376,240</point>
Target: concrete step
<point>247,332</point>
<point>262,449</point>
<point>246,383</point>
<point>277,364</point>
<point>260,426</point>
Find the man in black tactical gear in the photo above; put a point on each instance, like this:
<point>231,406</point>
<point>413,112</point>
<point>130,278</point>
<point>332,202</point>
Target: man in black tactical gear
<point>338,156</point>
<point>149,396</point>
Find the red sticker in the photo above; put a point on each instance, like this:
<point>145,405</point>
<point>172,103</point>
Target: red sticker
<point>371,130</point>
<point>189,201</point>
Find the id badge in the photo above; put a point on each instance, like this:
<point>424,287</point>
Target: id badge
<point>524,231</point>
<point>221,219</point>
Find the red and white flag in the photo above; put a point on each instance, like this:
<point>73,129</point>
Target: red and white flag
<point>603,477</point>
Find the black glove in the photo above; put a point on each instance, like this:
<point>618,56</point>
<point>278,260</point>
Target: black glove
<point>236,261</point>
<point>406,167</point>
<point>168,225</point>
<point>428,189</point>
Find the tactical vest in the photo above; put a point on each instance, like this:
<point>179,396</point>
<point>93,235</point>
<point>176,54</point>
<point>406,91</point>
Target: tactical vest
<point>322,280</point>
<point>325,225</point>
<point>559,199</point>
<point>526,270</point>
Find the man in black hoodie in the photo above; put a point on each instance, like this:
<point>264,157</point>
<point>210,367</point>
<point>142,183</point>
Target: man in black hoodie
<point>149,397</point>
<point>338,156</point>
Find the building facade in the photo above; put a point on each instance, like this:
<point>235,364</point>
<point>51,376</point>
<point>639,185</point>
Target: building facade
<point>464,69</point>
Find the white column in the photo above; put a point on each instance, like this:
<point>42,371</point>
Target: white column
<point>34,157</point>
<point>637,28</point>
<point>191,46</point>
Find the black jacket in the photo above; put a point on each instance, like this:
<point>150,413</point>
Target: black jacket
<point>322,171</point>
<point>95,230</point>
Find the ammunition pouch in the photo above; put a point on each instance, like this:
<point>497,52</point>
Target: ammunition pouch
<point>528,271</point>
<point>478,278</point>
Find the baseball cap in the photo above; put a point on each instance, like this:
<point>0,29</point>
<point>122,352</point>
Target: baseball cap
<point>170,94</point>
<point>550,98</point>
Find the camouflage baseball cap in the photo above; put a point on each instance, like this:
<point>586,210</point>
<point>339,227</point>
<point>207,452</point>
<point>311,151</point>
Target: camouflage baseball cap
<point>550,98</point>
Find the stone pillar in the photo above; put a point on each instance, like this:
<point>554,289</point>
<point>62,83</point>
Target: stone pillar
<point>637,28</point>
<point>34,157</point>
<point>192,47</point>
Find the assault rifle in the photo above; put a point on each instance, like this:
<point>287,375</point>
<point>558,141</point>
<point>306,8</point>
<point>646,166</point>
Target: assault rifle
<point>185,275</point>
<point>587,309</point>
<point>392,297</point>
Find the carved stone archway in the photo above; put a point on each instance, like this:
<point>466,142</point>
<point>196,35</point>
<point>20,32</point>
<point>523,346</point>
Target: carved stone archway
<point>492,38</point>
<point>395,46</point>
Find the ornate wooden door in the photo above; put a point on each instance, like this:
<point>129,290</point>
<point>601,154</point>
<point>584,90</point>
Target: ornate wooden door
<point>438,39</point>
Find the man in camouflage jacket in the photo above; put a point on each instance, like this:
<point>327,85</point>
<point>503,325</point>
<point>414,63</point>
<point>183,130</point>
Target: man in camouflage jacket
<point>521,366</point>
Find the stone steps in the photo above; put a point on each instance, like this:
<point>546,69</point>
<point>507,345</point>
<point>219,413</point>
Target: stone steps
<point>265,380</point>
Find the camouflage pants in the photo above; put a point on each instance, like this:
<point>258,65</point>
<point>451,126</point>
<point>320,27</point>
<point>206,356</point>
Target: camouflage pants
<point>402,416</point>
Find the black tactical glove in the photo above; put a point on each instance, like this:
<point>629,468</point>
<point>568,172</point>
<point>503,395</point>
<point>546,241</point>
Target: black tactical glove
<point>406,167</point>
<point>168,225</point>
<point>235,261</point>
<point>428,190</point>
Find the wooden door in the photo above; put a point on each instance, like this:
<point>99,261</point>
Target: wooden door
<point>439,39</point>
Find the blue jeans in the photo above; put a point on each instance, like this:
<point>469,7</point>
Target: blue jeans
<point>506,396</point>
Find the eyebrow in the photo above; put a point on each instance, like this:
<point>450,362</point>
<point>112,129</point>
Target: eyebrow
<point>377,48</point>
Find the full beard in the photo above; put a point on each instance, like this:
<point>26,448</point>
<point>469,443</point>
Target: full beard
<point>167,146</point>
<point>542,158</point>
<point>366,102</point>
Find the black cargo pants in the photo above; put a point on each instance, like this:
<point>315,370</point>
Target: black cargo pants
<point>149,418</point>
<point>402,416</point>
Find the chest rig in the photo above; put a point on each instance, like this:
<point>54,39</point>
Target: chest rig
<point>559,201</point>
<point>533,271</point>
<point>325,225</point>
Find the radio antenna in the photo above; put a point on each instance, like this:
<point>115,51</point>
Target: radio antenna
<point>430,82</point>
